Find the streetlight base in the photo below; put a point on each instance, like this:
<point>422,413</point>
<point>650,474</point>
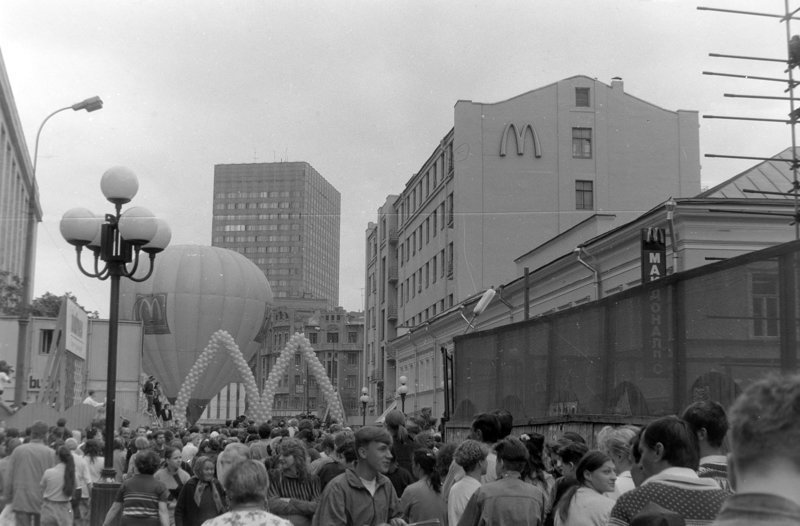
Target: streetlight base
<point>104,493</point>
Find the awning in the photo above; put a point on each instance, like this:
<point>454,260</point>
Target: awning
<point>391,407</point>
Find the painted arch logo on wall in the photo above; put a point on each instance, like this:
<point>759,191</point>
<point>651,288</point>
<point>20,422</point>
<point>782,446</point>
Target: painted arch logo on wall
<point>151,310</point>
<point>520,134</point>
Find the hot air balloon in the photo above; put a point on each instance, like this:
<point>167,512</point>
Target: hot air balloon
<point>193,292</point>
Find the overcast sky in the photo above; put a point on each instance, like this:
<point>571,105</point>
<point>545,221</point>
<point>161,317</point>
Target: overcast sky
<point>363,91</point>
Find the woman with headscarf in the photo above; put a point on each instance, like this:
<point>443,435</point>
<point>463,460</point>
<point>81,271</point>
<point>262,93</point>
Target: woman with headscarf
<point>202,497</point>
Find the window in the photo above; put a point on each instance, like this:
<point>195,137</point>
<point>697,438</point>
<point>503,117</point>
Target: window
<point>45,340</point>
<point>582,97</point>
<point>333,337</point>
<point>584,195</point>
<point>450,261</point>
<point>352,357</point>
<point>582,143</point>
<point>298,359</point>
<point>433,270</point>
<point>450,213</point>
<point>352,337</point>
<point>312,337</point>
<point>764,291</point>
<point>350,381</point>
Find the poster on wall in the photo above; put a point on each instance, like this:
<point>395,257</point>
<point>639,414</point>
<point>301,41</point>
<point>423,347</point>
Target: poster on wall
<point>77,325</point>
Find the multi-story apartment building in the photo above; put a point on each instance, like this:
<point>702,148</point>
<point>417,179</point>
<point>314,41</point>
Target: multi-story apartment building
<point>285,218</point>
<point>508,177</point>
<point>337,337</point>
<point>381,294</point>
<point>19,196</point>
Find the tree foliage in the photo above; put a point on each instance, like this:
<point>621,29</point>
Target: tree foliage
<point>47,305</point>
<point>10,293</point>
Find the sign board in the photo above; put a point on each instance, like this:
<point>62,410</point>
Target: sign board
<point>654,254</point>
<point>77,329</point>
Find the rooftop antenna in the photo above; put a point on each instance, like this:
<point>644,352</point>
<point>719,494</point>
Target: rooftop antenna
<point>792,60</point>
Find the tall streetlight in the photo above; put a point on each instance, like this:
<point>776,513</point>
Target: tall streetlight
<point>364,401</point>
<point>403,391</point>
<point>90,104</point>
<point>117,240</point>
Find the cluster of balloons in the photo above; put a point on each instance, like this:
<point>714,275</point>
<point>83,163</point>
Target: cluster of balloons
<point>299,342</point>
<point>221,342</point>
<point>259,407</point>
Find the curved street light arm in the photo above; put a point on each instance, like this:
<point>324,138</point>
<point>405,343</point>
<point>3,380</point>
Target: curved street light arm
<point>149,272</point>
<point>38,133</point>
<point>96,274</point>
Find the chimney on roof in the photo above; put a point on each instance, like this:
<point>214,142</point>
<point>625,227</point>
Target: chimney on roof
<point>616,83</point>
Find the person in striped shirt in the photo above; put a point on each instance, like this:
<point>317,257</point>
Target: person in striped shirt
<point>142,499</point>
<point>293,491</point>
<point>669,459</point>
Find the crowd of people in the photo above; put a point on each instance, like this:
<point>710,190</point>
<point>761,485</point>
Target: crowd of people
<point>674,470</point>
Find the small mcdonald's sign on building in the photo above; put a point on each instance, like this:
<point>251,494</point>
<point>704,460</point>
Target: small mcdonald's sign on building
<point>654,254</point>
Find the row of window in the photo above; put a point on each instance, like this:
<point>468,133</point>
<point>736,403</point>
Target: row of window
<point>280,339</point>
<point>439,266</point>
<point>258,250</point>
<point>430,312</point>
<point>441,217</point>
<point>260,217</point>
<point>298,403</point>
<point>427,184</point>
<point>252,195</point>
<point>255,206</point>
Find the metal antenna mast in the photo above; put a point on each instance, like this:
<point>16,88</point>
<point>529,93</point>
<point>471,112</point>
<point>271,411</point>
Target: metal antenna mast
<point>792,60</point>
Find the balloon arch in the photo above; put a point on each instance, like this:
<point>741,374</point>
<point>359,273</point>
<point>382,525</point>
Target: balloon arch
<point>259,407</point>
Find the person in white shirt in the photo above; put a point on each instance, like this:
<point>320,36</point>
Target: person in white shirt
<point>5,375</point>
<point>471,456</point>
<point>89,400</point>
<point>84,484</point>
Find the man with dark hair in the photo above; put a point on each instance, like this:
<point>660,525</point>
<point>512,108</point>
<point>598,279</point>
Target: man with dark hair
<point>344,456</point>
<point>508,500</point>
<point>326,454</point>
<point>485,428</point>
<point>567,455</point>
<point>670,457</point>
<point>710,424</point>
<point>506,421</point>
<point>27,464</point>
<point>363,495</point>
<point>148,390</point>
<point>765,457</point>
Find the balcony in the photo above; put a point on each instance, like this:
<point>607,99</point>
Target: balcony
<point>391,312</point>
<point>391,272</point>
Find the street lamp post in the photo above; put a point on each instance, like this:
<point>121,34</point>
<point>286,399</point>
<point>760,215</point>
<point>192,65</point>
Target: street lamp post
<point>364,401</point>
<point>117,240</point>
<point>90,104</point>
<point>403,391</point>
